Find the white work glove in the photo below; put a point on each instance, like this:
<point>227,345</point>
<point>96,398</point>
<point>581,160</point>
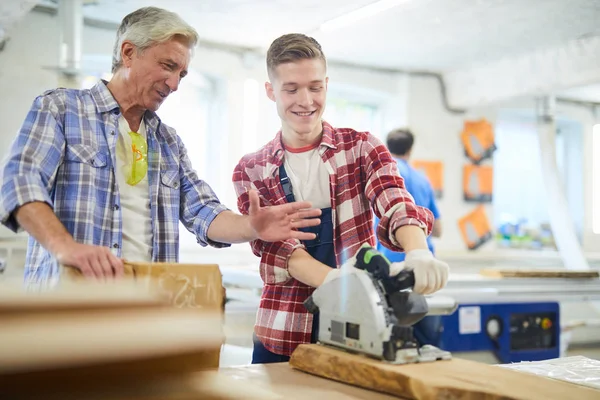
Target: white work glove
<point>431,274</point>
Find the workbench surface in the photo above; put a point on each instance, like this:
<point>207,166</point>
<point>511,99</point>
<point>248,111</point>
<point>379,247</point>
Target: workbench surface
<point>282,379</point>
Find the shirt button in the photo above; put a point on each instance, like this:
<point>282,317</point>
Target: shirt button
<point>112,133</point>
<point>116,245</point>
<point>116,207</point>
<point>176,185</point>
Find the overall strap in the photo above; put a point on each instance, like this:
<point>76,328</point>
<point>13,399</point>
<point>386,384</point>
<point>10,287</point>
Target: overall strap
<point>286,184</point>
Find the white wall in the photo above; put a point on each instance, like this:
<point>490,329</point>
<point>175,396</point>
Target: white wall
<point>437,138</point>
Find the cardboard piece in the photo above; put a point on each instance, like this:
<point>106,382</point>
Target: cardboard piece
<point>193,286</point>
<point>450,379</point>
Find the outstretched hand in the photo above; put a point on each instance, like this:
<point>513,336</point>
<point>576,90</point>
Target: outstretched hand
<point>275,223</point>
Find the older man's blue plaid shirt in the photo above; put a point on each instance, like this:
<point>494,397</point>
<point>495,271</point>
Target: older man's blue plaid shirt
<point>64,156</point>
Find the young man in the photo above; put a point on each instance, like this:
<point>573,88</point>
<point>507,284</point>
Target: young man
<point>95,176</point>
<point>400,143</point>
<point>341,171</point>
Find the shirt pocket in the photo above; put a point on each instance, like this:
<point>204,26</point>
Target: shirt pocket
<point>83,173</point>
<point>84,154</point>
<point>170,179</point>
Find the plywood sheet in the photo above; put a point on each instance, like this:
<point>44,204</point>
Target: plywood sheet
<point>452,379</point>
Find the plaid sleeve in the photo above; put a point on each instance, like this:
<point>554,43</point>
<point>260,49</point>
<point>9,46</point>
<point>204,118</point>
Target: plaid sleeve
<point>274,256</point>
<point>385,189</point>
<point>199,204</point>
<point>29,171</point>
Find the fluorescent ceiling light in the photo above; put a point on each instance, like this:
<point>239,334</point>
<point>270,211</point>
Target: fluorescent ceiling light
<point>358,14</point>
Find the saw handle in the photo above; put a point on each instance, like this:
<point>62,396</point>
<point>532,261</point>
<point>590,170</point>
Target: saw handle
<point>405,279</point>
<point>372,261</point>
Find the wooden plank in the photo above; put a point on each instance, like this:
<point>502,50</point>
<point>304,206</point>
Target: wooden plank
<point>538,273</point>
<point>54,341</point>
<point>77,296</point>
<point>451,379</point>
<point>207,385</point>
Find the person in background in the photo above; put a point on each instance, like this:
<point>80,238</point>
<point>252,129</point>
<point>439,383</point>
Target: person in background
<point>347,174</point>
<point>400,143</point>
<point>95,177</point>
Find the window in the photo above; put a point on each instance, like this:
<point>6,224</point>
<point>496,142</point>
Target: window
<point>596,179</point>
<point>250,116</point>
<point>520,195</point>
<point>188,112</point>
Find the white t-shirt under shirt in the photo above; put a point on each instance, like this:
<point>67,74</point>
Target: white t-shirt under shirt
<point>135,200</point>
<point>308,174</point>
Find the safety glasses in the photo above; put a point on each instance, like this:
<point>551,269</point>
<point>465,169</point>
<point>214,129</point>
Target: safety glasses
<point>139,164</point>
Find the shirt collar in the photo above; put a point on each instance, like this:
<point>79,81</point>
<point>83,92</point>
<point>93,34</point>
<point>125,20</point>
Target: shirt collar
<point>105,102</point>
<point>328,140</point>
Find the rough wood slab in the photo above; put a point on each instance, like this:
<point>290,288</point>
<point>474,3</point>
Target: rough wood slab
<point>538,273</point>
<point>453,379</point>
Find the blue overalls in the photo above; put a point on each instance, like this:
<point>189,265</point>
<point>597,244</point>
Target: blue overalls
<point>320,248</point>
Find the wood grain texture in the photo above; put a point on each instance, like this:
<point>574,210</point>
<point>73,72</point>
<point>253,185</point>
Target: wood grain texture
<point>538,273</point>
<point>454,379</point>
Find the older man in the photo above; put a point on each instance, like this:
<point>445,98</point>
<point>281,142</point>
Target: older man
<point>94,176</point>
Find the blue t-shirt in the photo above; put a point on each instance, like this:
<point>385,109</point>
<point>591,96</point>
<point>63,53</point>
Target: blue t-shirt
<point>420,188</point>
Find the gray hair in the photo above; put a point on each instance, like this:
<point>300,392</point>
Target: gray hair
<point>150,26</point>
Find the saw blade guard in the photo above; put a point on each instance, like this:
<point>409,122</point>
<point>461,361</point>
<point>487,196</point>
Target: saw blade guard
<point>353,313</point>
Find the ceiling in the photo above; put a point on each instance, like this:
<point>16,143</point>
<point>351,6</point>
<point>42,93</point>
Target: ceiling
<point>584,93</point>
<point>436,35</point>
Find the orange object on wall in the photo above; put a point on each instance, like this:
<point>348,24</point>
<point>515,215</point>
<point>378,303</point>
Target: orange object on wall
<point>475,228</point>
<point>434,170</point>
<point>478,140</point>
<point>478,182</point>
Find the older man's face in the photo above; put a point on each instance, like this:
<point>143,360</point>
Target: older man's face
<point>156,72</point>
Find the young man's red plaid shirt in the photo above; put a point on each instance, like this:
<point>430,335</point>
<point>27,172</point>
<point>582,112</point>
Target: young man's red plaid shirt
<point>362,175</point>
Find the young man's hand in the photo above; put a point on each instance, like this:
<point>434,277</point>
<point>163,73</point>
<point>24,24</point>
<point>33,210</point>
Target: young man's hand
<point>275,223</point>
<point>431,274</point>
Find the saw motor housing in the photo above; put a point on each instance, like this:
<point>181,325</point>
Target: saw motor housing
<point>366,311</point>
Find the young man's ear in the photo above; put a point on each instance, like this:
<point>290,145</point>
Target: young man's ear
<point>269,90</point>
<point>326,82</point>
